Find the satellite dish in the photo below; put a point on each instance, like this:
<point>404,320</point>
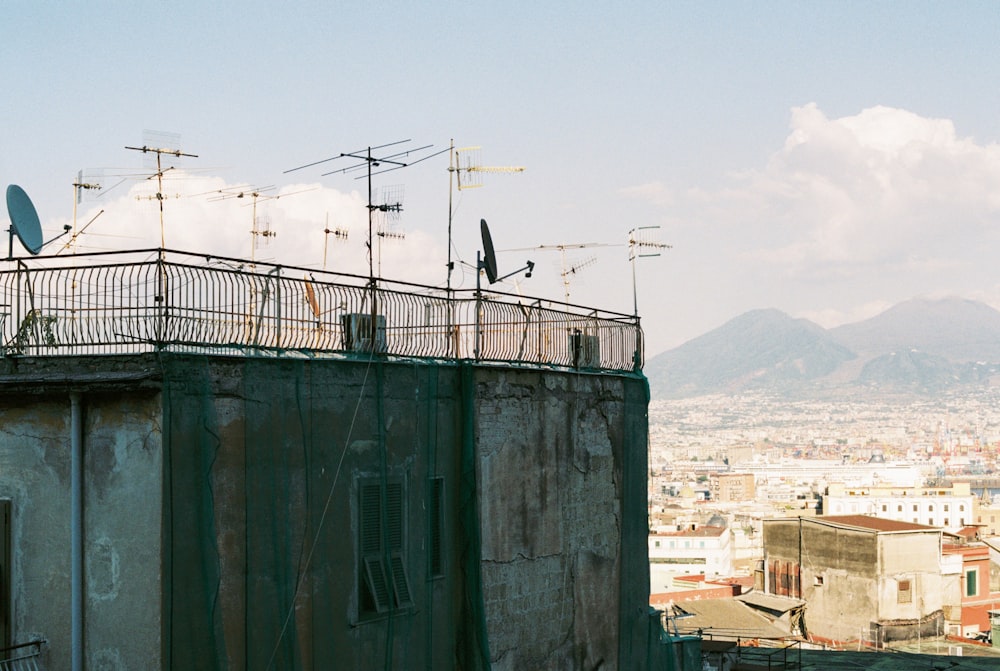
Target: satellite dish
<point>311,299</point>
<point>24,220</point>
<point>490,260</point>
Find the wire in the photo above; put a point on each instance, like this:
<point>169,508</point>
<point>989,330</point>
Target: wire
<point>326,507</point>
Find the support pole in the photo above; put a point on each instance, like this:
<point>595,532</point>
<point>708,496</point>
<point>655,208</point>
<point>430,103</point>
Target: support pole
<point>76,534</point>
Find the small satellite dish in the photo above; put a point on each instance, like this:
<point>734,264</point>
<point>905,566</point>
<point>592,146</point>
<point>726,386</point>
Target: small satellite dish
<point>490,257</point>
<point>311,298</point>
<point>24,219</point>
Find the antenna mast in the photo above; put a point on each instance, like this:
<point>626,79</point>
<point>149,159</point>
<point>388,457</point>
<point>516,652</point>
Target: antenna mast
<point>472,169</point>
<point>369,161</point>
<point>387,212</point>
<point>564,271</point>
<point>78,187</point>
<point>254,195</point>
<point>159,151</point>
<point>640,239</point>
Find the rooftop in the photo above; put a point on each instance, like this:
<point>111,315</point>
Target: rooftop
<point>157,299</point>
<point>873,523</point>
<point>700,532</point>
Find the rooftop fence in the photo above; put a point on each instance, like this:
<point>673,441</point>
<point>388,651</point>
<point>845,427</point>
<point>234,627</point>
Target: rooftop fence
<point>156,299</point>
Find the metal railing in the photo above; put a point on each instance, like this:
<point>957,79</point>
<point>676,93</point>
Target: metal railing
<point>23,657</point>
<point>784,658</point>
<point>147,300</point>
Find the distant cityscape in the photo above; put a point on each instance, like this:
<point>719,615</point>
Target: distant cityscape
<point>839,524</point>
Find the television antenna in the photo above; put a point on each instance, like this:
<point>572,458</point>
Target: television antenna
<point>339,234</point>
<point>387,213</point>
<point>566,272</point>
<point>641,244</point>
<point>467,161</point>
<point>260,225</point>
<point>368,161</point>
<point>160,152</point>
<point>573,270</point>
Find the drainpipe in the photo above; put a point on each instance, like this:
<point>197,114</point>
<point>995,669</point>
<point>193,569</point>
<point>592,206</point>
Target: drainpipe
<point>76,533</point>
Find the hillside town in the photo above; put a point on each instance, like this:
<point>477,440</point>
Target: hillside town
<point>843,525</point>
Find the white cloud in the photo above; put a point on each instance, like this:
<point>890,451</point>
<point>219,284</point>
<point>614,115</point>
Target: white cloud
<point>205,215</point>
<point>873,190</point>
<point>847,217</point>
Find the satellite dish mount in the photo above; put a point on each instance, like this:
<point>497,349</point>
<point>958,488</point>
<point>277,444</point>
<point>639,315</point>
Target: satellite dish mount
<point>24,223</point>
<point>487,261</point>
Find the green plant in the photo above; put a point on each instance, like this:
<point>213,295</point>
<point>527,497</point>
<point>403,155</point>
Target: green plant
<point>37,324</point>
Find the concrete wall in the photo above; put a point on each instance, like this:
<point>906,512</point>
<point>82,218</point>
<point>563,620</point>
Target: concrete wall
<point>844,561</point>
<point>551,450</point>
<point>850,579</point>
<point>122,496</point>
<point>222,511</point>
<point>559,465</point>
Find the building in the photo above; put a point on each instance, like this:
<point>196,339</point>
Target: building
<point>866,580</point>
<point>988,517</point>
<point>950,508</point>
<point>205,467</point>
<point>705,550</point>
<point>975,590</point>
<point>732,487</point>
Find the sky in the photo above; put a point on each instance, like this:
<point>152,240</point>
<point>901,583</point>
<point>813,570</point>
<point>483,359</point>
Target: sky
<point>826,159</point>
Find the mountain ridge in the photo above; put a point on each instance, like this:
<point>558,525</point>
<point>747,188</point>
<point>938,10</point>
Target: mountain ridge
<point>919,347</point>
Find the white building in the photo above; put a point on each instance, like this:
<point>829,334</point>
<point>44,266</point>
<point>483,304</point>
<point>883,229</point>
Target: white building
<point>948,508</point>
<point>705,550</point>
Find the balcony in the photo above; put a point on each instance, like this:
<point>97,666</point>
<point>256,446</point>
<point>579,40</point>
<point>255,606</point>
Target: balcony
<point>24,657</point>
<point>157,299</point>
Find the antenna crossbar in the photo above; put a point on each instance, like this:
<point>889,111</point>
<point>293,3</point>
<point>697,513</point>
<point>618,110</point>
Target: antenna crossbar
<point>160,151</point>
<point>370,160</point>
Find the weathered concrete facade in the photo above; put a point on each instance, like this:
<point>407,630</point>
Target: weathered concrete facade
<point>862,583</point>
<point>228,503</point>
<point>122,471</point>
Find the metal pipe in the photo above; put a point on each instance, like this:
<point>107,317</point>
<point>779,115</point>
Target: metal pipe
<point>76,533</point>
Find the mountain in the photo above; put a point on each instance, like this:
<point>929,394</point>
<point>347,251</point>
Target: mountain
<point>954,328</point>
<point>760,350</point>
<point>918,347</point>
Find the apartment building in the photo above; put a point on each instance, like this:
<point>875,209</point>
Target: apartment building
<point>732,487</point>
<point>705,550</point>
<point>949,508</point>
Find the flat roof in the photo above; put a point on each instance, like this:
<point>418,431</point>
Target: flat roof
<point>879,524</point>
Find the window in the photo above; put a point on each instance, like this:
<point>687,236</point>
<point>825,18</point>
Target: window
<point>903,592</point>
<point>818,581</point>
<point>899,508</point>
<point>382,581</point>
<point>971,582</point>
<point>885,508</point>
<point>914,507</point>
<point>961,508</point>
<point>930,508</point>
<point>946,507</point>
<point>656,544</point>
<point>945,522</point>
